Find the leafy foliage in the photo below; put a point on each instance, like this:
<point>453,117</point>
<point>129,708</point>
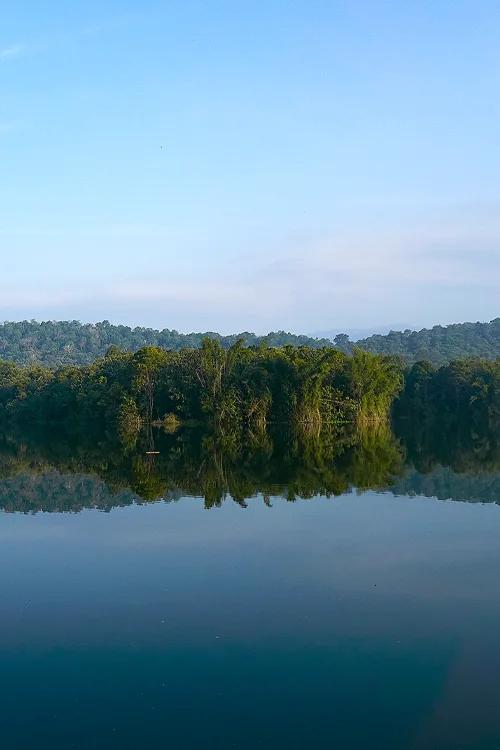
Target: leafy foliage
<point>235,388</point>
<point>462,392</point>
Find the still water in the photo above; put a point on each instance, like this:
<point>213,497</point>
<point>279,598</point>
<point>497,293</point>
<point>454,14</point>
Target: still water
<point>342,619</point>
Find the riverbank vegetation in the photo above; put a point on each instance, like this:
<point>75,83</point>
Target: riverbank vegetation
<point>228,389</point>
<point>248,389</point>
<point>462,392</point>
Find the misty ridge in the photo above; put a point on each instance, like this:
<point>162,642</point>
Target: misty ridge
<point>55,343</point>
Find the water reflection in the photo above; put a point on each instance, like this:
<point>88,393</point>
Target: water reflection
<point>69,473</point>
<point>367,621</point>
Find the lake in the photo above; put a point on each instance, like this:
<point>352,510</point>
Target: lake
<point>300,594</point>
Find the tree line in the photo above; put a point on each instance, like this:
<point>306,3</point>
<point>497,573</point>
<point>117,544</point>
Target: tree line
<point>54,343</point>
<point>439,345</point>
<point>238,387</point>
<point>243,387</point>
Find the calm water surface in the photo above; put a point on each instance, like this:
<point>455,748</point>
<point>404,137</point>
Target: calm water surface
<point>359,621</point>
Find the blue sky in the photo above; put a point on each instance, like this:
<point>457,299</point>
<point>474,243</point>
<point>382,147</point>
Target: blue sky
<point>250,165</point>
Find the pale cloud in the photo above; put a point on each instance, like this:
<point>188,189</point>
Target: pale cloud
<point>12,52</point>
<point>19,296</point>
<point>429,274</point>
<point>417,257</point>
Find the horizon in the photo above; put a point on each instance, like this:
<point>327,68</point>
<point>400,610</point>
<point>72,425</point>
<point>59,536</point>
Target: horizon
<point>275,167</point>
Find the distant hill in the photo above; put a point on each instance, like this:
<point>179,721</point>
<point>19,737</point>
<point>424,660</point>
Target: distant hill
<point>55,343</point>
<point>439,344</point>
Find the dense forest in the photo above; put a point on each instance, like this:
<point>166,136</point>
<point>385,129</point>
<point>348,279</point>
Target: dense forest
<point>462,392</point>
<point>439,345</point>
<point>230,389</point>
<point>244,387</point>
<point>54,343</point>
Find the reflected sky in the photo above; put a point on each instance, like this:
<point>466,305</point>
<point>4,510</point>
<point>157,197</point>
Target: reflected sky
<point>358,621</point>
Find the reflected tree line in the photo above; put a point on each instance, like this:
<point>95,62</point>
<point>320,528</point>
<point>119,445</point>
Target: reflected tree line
<point>68,473</point>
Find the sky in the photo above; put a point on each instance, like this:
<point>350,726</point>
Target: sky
<point>250,165</point>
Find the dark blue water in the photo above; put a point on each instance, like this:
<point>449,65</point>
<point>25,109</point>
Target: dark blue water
<point>368,621</point>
